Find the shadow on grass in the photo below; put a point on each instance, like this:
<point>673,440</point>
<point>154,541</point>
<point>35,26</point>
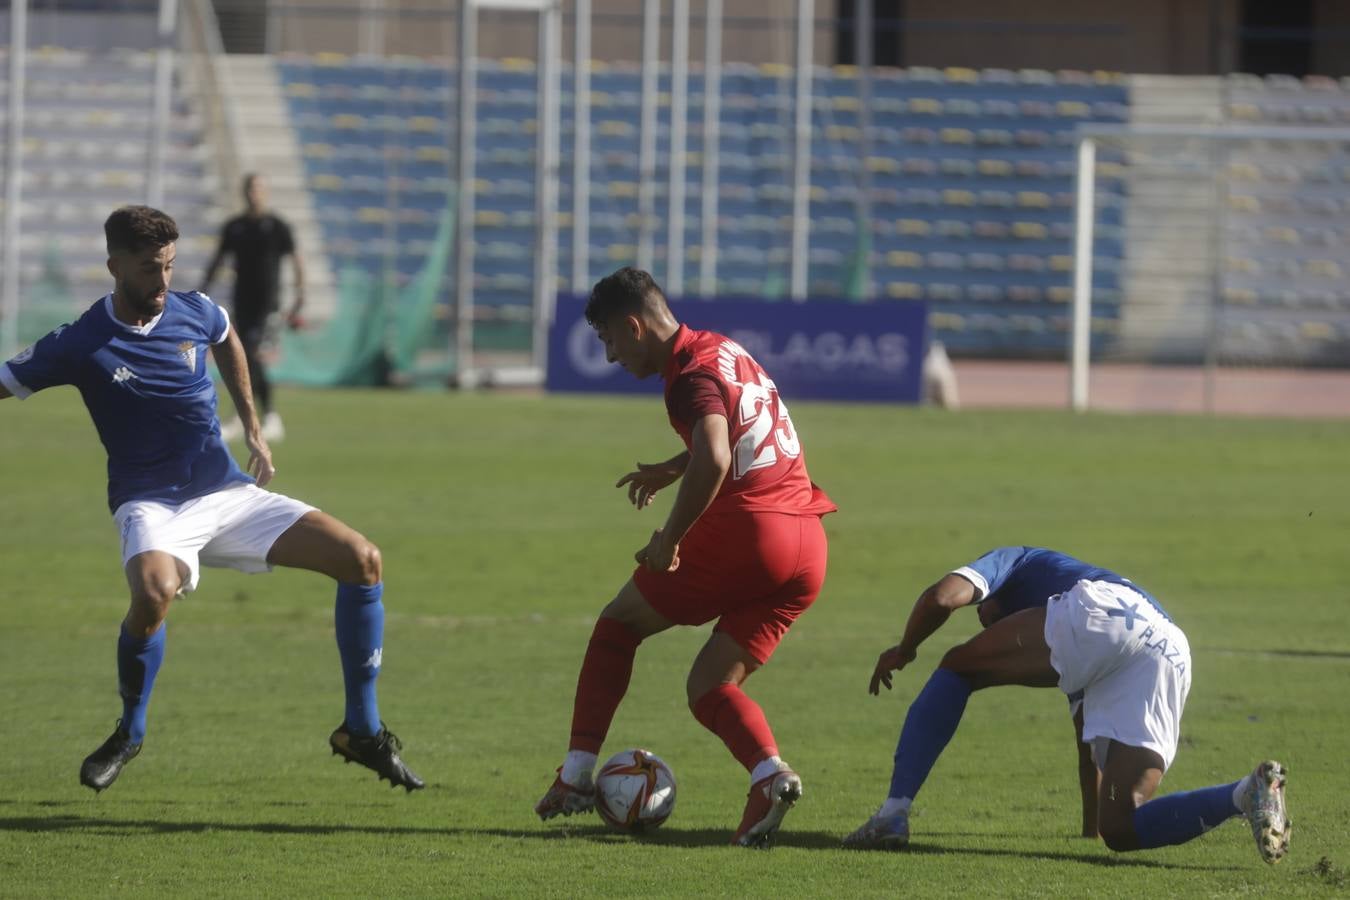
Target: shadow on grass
<point>663,837</point>
<point>1294,654</point>
<point>1091,859</point>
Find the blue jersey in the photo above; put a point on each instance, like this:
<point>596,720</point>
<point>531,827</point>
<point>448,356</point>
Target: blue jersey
<point>148,392</point>
<point>1027,577</point>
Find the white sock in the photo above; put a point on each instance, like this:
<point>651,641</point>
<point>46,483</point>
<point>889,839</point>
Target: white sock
<point>771,766</point>
<point>577,767</point>
<point>1240,792</point>
<point>894,806</point>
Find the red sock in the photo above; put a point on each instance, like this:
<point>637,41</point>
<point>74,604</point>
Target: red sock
<point>728,713</point>
<point>602,683</point>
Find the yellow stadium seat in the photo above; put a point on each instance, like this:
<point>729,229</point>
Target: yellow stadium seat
<point>904,290</point>
<point>904,259</point>
<point>914,227</point>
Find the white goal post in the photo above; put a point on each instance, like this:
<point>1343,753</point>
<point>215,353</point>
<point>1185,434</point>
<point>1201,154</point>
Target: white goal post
<point>1225,245</point>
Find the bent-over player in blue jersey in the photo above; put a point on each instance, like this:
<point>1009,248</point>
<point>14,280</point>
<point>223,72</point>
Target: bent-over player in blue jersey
<point>138,359</point>
<point>1052,620</point>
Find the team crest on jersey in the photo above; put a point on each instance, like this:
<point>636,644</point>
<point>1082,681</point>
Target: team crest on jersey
<point>187,352</point>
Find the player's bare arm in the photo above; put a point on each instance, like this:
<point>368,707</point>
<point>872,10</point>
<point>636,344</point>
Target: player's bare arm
<point>229,356</point>
<point>1089,778</point>
<point>709,462</point>
<point>211,268</point>
<point>931,611</point>
<point>652,477</point>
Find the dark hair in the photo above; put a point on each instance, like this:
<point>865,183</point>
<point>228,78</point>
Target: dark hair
<point>248,182</point>
<point>623,292</point>
<point>132,229</point>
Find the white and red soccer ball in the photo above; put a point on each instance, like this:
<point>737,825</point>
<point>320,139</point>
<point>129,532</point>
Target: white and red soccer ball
<point>635,790</point>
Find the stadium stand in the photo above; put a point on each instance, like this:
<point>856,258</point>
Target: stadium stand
<point>971,175</point>
<point>85,153</point>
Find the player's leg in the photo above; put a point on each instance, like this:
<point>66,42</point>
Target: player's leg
<point>154,579</point>
<point>717,701</point>
<point>1132,819</point>
<point>159,560</point>
<point>1137,670</point>
<point>251,336</point>
<point>624,623</point>
<point>791,555</point>
<point>1010,651</point>
<point>321,543</point>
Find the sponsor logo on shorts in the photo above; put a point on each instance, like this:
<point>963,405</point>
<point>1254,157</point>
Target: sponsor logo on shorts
<point>1129,612</point>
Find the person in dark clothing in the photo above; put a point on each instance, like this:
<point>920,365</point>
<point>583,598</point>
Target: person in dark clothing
<point>258,239</point>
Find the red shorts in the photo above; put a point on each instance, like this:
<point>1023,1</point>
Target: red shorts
<point>757,571</point>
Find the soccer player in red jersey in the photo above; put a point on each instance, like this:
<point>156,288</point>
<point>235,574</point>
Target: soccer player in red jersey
<point>743,544</point>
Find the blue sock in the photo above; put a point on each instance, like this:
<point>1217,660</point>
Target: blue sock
<point>930,724</point>
<point>138,662</point>
<point>1177,818</point>
<point>359,620</point>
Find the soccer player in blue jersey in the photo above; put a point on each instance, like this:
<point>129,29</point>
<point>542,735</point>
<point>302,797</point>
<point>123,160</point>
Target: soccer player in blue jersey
<point>1063,622</point>
<point>138,359</point>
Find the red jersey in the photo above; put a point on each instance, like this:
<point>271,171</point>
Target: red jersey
<point>709,373</point>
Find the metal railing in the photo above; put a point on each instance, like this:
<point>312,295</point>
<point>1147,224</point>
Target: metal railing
<point>204,56</point>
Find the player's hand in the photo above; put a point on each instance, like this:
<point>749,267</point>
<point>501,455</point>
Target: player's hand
<point>647,480</point>
<point>259,459</point>
<point>657,556</point>
<point>891,660</point>
<point>294,320</point>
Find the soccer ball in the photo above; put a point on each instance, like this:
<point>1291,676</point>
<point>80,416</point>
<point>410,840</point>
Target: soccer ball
<point>635,790</point>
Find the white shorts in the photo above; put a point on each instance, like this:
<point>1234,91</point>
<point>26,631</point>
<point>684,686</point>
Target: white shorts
<point>1132,665</point>
<point>234,528</point>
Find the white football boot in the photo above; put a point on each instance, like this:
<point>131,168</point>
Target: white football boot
<point>272,430</point>
<point>880,833</point>
<point>1263,806</point>
<point>768,802</point>
<point>564,799</point>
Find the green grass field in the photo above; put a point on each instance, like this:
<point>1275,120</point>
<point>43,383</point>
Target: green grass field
<point>503,537</point>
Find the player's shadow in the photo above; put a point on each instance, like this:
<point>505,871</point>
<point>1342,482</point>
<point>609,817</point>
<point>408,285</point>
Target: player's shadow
<point>669,837</point>
<point>674,837</point>
<point>127,827</point>
<point>1091,859</point>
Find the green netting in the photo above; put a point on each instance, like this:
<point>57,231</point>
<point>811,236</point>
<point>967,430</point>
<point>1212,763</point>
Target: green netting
<point>420,346</point>
<point>380,333</point>
<point>349,349</point>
